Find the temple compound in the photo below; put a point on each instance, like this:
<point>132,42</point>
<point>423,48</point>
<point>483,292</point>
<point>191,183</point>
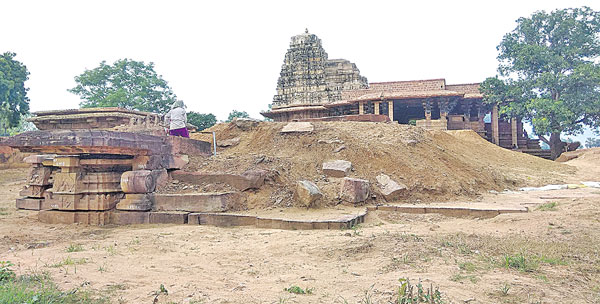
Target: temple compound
<point>313,87</point>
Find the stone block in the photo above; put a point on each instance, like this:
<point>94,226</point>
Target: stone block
<point>39,176</point>
<point>307,193</point>
<point>105,201</point>
<point>136,202</point>
<point>29,203</point>
<point>178,161</point>
<point>221,220</point>
<point>168,218</point>
<point>181,145</point>
<point>91,182</point>
<point>337,168</point>
<point>34,191</point>
<point>298,127</point>
<point>161,178</point>
<point>228,142</point>
<point>66,161</point>
<point>74,217</point>
<point>245,123</point>
<point>252,179</point>
<point>139,181</point>
<point>200,202</point>
<point>389,188</point>
<point>354,190</point>
<point>38,159</point>
<point>129,218</point>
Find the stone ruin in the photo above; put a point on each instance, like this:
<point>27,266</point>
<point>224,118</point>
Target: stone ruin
<point>111,166</point>
<point>101,166</point>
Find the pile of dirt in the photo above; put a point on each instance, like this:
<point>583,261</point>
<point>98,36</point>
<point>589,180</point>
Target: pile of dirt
<point>587,161</point>
<point>11,158</point>
<point>434,165</point>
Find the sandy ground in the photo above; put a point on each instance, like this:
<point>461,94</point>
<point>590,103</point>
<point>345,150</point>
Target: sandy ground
<point>200,264</point>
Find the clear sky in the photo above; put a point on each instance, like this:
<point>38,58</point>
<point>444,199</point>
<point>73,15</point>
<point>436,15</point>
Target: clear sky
<point>224,55</point>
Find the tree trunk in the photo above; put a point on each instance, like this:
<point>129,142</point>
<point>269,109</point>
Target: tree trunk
<point>557,146</point>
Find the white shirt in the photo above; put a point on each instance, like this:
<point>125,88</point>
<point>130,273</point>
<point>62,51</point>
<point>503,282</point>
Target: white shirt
<point>176,118</point>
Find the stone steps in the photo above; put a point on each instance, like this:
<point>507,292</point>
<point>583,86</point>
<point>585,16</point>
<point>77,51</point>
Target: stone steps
<point>454,211</point>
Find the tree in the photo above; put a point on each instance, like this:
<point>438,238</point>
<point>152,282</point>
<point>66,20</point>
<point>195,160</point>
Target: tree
<point>550,74</point>
<point>591,142</point>
<point>202,121</point>
<point>237,114</point>
<point>127,84</point>
<point>14,102</point>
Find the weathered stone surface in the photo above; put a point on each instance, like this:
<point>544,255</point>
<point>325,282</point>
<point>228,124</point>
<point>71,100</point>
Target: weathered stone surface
<point>105,201</point>
<point>38,158</point>
<point>228,142</point>
<point>221,220</point>
<point>307,193</point>
<point>139,181</point>
<point>245,123</point>
<point>200,202</point>
<point>172,217</point>
<point>252,179</point>
<point>90,182</point>
<point>389,188</point>
<point>34,191</point>
<point>337,168</point>
<point>29,203</point>
<point>161,178</point>
<point>129,218</point>
<point>354,190</point>
<point>73,217</point>
<point>136,202</point>
<point>181,145</point>
<point>175,161</point>
<point>66,161</point>
<point>298,127</point>
<point>39,176</point>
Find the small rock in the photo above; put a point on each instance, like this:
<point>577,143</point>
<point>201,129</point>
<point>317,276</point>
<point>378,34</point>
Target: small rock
<point>298,127</point>
<point>245,123</point>
<point>337,168</point>
<point>307,193</point>
<point>229,142</point>
<point>390,188</point>
<point>354,190</point>
<point>338,149</point>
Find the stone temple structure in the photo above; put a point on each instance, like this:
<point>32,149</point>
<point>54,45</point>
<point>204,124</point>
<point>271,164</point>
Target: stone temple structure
<point>312,87</point>
<point>309,80</point>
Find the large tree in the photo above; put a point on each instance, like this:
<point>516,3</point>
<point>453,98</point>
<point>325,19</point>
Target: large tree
<point>201,121</point>
<point>126,83</point>
<point>549,73</point>
<point>14,102</point>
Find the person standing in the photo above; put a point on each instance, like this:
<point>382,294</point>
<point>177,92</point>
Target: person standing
<point>176,120</point>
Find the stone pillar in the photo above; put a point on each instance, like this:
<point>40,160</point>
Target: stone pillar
<point>376,107</point>
<point>514,135</point>
<point>361,107</point>
<point>495,131</point>
<point>391,110</point>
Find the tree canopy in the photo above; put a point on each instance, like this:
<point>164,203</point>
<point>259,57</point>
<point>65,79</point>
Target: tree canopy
<point>14,102</point>
<point>202,121</point>
<point>127,84</point>
<point>549,73</point>
<point>591,142</point>
<point>237,114</point>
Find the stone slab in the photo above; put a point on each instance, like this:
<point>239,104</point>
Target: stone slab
<point>136,202</point>
<point>252,179</point>
<point>337,168</point>
<point>298,127</point>
<point>29,203</point>
<point>74,217</point>
<point>199,202</point>
<point>179,218</point>
<point>221,220</point>
<point>97,202</point>
<point>33,191</point>
<point>129,218</point>
<point>453,211</point>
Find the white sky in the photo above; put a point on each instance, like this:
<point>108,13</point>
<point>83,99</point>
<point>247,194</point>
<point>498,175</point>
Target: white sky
<point>224,55</point>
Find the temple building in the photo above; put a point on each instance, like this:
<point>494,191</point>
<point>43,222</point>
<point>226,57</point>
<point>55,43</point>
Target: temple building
<point>312,87</point>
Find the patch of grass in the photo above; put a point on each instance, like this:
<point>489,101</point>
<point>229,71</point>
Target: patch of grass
<point>461,277</point>
<point>75,248</point>
<point>519,262</point>
<point>111,250</point>
<point>408,295</point>
<point>504,289</point>
<point>38,288</point>
<point>298,290</point>
<point>3,211</point>
<point>467,266</point>
<point>547,206</point>
<point>6,274</point>
<point>69,261</point>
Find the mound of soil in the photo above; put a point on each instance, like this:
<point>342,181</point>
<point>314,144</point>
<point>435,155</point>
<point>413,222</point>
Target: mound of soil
<point>434,165</point>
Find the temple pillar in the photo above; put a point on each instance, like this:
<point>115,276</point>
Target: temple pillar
<point>376,107</point>
<point>361,107</point>
<point>495,131</point>
<point>391,110</point>
<point>514,135</point>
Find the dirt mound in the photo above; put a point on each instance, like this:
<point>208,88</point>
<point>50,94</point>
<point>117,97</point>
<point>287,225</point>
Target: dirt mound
<point>587,161</point>
<point>434,165</point>
<point>11,158</point>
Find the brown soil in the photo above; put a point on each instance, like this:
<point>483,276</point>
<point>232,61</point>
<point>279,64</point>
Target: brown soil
<point>464,257</point>
<point>434,165</point>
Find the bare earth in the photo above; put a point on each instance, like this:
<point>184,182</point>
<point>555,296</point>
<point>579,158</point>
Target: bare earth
<point>464,257</point>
